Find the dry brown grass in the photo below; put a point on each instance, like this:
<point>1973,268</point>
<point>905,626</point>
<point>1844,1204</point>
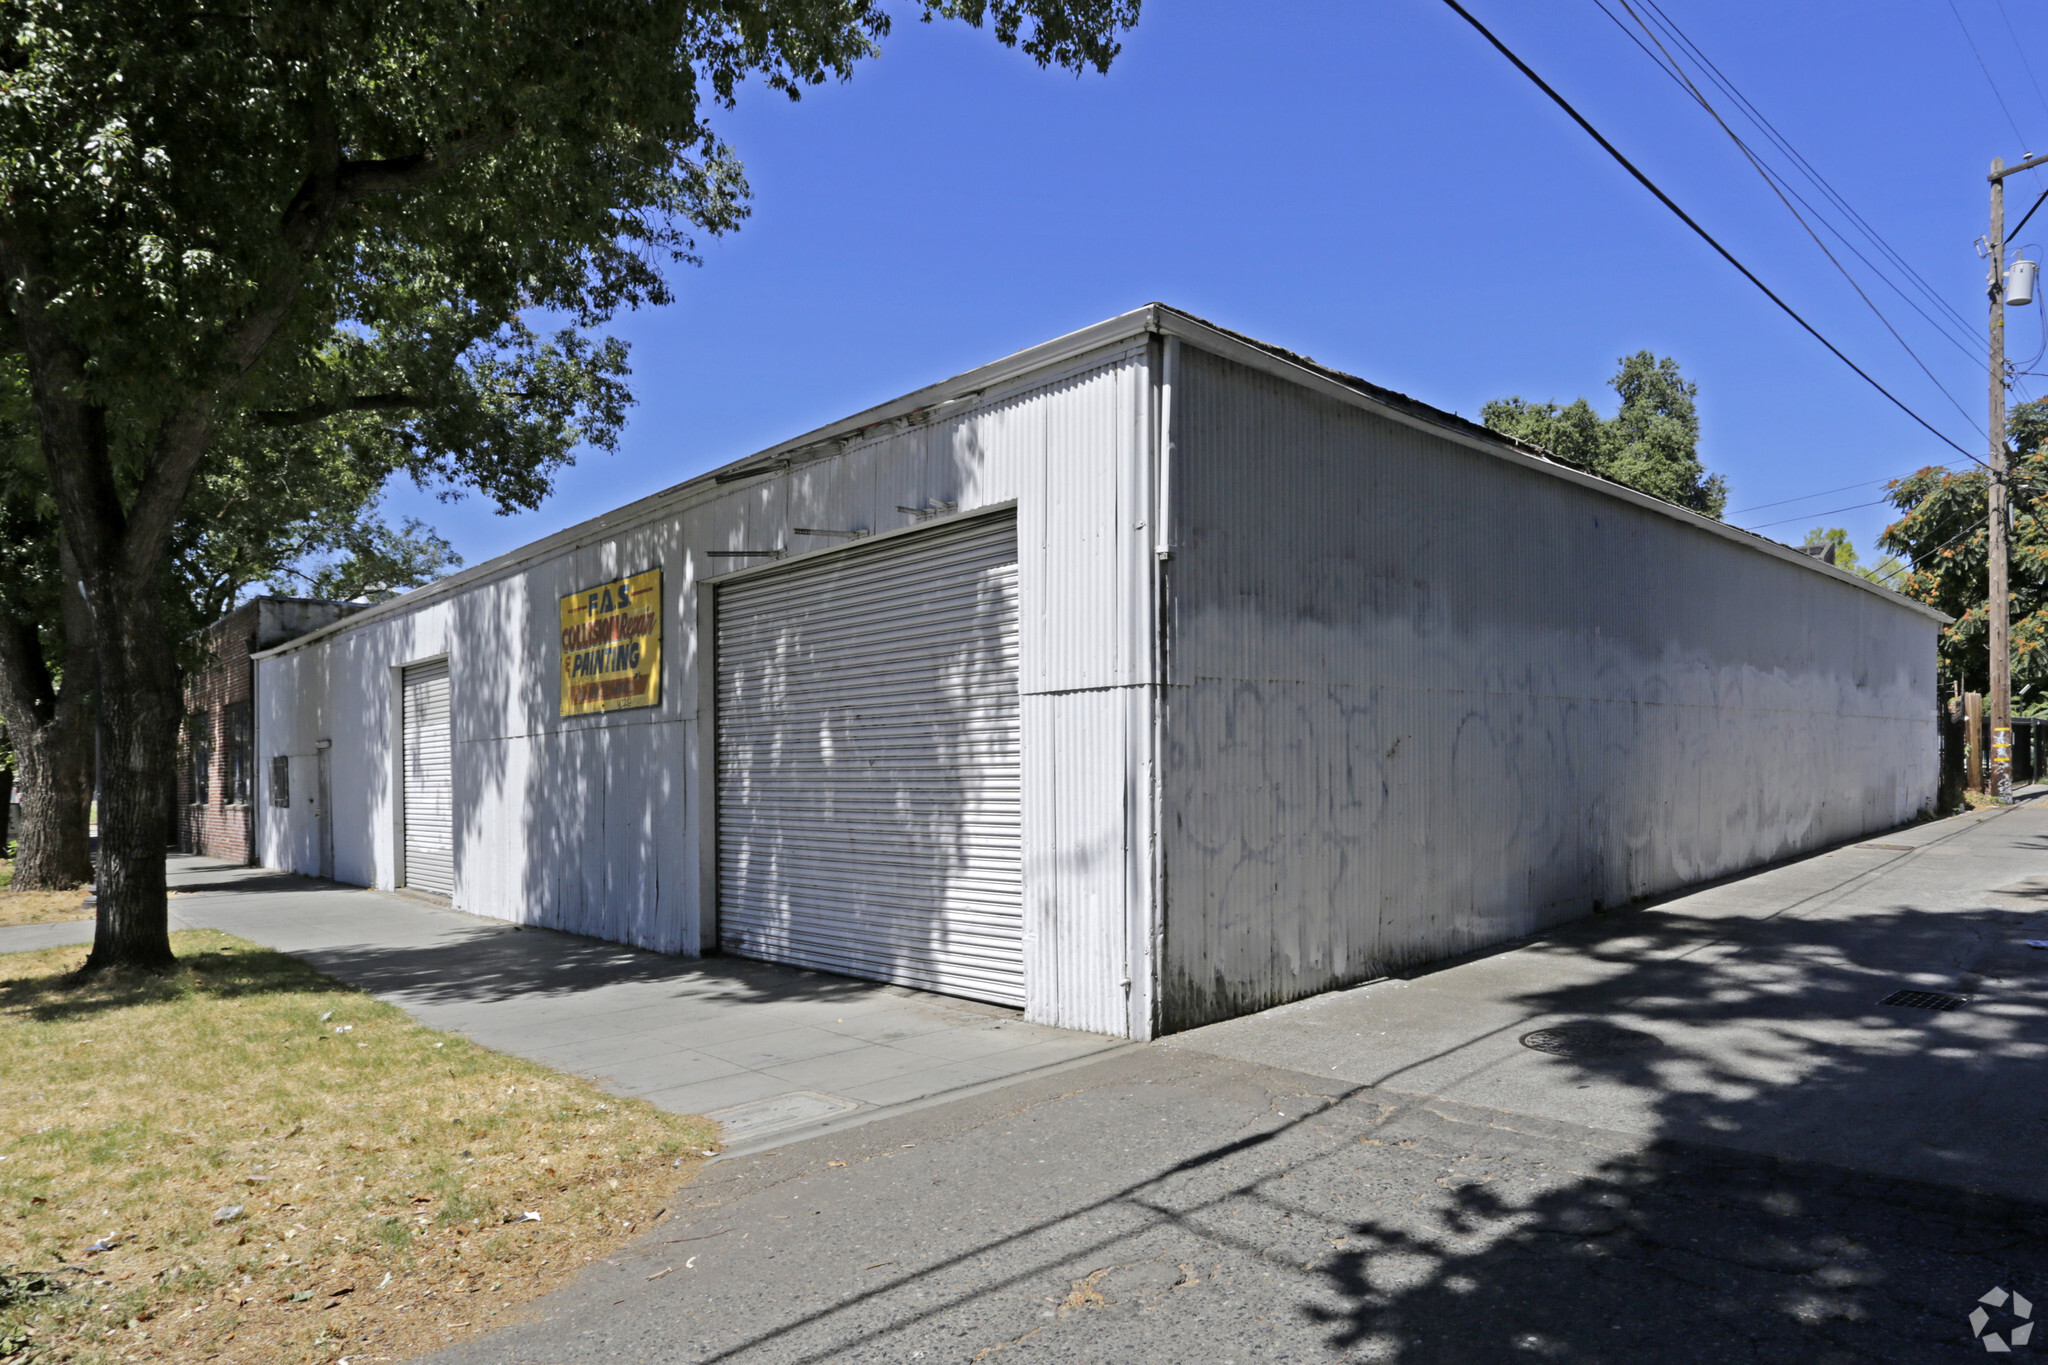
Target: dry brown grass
<point>382,1169</point>
<point>40,907</point>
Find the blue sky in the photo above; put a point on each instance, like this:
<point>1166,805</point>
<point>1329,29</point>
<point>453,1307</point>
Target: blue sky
<point>1371,184</point>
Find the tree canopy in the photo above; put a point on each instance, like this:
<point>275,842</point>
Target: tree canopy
<point>1651,443</point>
<point>1944,534</point>
<point>229,237</point>
<point>373,561</point>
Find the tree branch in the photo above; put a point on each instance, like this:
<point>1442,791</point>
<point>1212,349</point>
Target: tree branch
<point>360,179</point>
<point>318,412</point>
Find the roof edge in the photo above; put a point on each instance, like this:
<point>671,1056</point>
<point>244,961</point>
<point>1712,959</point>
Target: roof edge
<point>1413,412</point>
<point>1123,327</point>
<point>1151,319</point>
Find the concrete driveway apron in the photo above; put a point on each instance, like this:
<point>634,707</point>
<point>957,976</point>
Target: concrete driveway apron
<point>766,1050</point>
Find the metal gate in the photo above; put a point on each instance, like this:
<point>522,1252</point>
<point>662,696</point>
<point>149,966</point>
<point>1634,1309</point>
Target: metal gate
<point>429,781</point>
<point>869,792</point>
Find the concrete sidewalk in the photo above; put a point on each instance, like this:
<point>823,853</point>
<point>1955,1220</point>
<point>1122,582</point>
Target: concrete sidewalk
<point>1753,1010</point>
<point>769,1051</point>
<point>1787,1172</point>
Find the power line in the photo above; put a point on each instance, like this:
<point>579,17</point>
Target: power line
<point>2021,49</point>
<point>1768,180</point>
<point>1812,173</point>
<point>1995,93</point>
<point>1971,526</point>
<point>1811,516</point>
<point>2023,218</point>
<point>1764,506</point>
<point>1951,326</point>
<point>1913,565</point>
<point>1821,494</point>
<point>1688,220</point>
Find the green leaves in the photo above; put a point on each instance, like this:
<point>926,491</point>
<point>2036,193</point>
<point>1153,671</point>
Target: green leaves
<point>1651,444</point>
<point>249,210</point>
<point>1944,533</point>
<point>256,259</point>
<point>377,562</point>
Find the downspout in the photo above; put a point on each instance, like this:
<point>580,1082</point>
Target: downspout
<point>259,776</point>
<point>1162,555</point>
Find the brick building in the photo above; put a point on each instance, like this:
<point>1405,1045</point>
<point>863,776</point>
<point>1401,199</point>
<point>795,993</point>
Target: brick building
<point>218,784</point>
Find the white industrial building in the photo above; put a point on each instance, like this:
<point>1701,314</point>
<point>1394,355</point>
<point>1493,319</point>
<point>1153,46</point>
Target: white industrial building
<point>1144,678</point>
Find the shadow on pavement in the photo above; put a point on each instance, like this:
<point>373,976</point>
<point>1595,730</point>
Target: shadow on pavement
<point>1823,1178</point>
<point>1352,1226</point>
<point>433,955</point>
<point>1681,1253</point>
<point>540,965</point>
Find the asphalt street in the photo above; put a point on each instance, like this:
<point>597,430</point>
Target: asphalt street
<point>1768,1180</point>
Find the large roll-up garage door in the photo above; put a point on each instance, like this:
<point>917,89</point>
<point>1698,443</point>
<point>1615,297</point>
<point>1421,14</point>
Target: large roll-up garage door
<point>868,763</point>
<point>429,782</point>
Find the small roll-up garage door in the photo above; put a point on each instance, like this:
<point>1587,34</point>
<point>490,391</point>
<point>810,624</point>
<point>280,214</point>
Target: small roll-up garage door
<point>429,781</point>
<point>869,812</point>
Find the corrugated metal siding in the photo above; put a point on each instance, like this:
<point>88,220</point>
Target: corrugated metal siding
<point>429,781</point>
<point>1086,523</point>
<point>1087,662</point>
<point>599,825</point>
<point>868,783</point>
<point>1087,858</point>
<point>1422,700</point>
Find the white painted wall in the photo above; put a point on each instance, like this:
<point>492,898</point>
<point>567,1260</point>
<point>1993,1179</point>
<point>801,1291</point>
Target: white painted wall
<point>1419,697</point>
<point>596,824</point>
<point>1422,698</point>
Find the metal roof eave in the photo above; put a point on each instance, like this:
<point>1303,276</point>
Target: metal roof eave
<point>1399,407</point>
<point>1153,319</point>
<point>1125,326</point>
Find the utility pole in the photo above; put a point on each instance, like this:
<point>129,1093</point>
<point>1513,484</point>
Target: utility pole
<point>1997,607</point>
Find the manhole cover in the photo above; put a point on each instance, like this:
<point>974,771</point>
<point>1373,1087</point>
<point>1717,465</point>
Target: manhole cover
<point>1590,1038</point>
<point>1925,1000</point>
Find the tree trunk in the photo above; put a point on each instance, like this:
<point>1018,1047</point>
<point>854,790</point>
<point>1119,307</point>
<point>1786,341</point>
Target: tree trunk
<point>138,720</point>
<point>54,763</point>
<point>6,809</point>
<point>50,730</point>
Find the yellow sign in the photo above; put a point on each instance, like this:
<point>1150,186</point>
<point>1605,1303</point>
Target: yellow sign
<point>611,646</point>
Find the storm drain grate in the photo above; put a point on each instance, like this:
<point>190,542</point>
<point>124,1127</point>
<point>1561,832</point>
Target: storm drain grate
<point>1925,1000</point>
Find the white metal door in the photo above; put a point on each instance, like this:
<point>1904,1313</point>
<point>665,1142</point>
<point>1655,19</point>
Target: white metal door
<point>869,811</point>
<point>429,782</point>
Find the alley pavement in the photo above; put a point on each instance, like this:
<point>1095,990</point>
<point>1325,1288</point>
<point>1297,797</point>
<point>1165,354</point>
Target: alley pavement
<point>1732,1152</point>
<point>1692,1131</point>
